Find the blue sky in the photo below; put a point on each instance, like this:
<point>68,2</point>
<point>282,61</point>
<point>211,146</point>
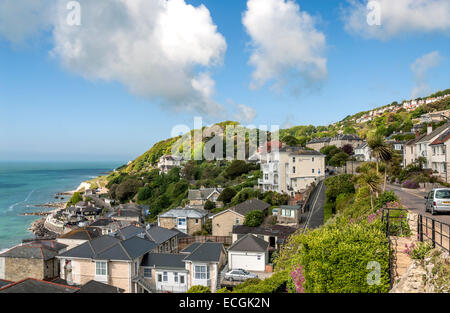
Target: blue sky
<point>50,110</point>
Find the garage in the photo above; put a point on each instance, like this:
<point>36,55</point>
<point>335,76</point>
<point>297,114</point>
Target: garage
<point>249,253</point>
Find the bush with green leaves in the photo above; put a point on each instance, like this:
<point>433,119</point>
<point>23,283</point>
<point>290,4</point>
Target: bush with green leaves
<point>199,289</point>
<point>274,284</point>
<point>209,205</point>
<point>254,218</point>
<point>227,195</point>
<point>76,197</point>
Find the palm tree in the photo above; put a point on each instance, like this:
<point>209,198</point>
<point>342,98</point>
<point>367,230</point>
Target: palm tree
<point>380,150</point>
<point>372,180</point>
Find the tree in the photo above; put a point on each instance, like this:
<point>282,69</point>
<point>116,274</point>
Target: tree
<point>209,205</point>
<point>290,141</point>
<point>348,148</point>
<point>254,218</point>
<point>379,149</point>
<point>199,289</point>
<point>76,197</point>
<point>227,195</point>
<point>329,152</point>
<point>371,180</point>
<point>339,159</point>
<point>127,189</point>
<point>236,169</point>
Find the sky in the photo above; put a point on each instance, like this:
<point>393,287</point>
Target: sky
<point>105,80</point>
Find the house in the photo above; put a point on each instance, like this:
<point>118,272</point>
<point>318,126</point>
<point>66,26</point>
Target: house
<point>165,272</point>
<point>31,260</point>
<point>204,265</point>
<point>362,153</point>
<point>318,143</point>
<point>165,239</point>
<point>168,162</point>
<point>79,236</point>
<point>198,197</point>
<point>223,222</point>
<point>249,253</point>
<point>423,148</point>
<point>275,235</point>
<point>338,141</point>
<point>292,170</point>
<point>107,259</point>
<point>287,214</point>
<point>409,150</point>
<point>440,149</point>
<point>108,225</point>
<point>33,285</point>
<point>187,220</point>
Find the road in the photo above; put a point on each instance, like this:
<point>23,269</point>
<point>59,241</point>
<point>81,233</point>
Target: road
<point>414,200</point>
<point>314,218</point>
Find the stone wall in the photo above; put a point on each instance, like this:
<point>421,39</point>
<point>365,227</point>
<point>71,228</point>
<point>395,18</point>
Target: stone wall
<point>17,269</point>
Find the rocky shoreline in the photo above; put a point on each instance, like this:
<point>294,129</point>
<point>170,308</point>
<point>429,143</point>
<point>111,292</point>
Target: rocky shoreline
<point>40,231</point>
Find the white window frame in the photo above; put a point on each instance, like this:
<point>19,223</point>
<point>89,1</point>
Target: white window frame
<point>201,272</point>
<point>103,270</point>
<point>165,277</point>
<point>175,277</point>
<point>146,271</point>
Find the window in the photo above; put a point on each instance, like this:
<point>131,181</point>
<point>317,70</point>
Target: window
<point>293,170</point>
<point>159,278</point>
<point>201,272</point>
<point>237,221</point>
<point>175,277</point>
<point>293,159</point>
<point>100,269</point>
<point>259,257</point>
<point>147,272</point>
<point>313,159</point>
<point>181,279</point>
<point>182,221</point>
<point>313,171</point>
<point>196,221</point>
<point>165,278</point>
<point>266,176</point>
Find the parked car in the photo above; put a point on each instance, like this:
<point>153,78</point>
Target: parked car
<point>438,200</point>
<point>239,275</point>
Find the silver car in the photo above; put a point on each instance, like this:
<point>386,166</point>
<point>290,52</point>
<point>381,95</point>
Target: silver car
<point>438,200</point>
<point>239,274</point>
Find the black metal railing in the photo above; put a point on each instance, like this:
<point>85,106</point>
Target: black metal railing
<point>395,226</point>
<point>435,231</point>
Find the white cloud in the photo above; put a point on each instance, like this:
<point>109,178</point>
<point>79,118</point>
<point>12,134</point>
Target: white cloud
<point>286,47</point>
<point>158,49</point>
<point>397,17</point>
<point>244,113</point>
<point>420,68</point>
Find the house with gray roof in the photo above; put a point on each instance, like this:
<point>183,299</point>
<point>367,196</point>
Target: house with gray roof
<point>275,235</point>
<point>223,222</point>
<point>198,197</point>
<point>98,287</point>
<point>107,259</point>
<point>31,260</point>
<point>187,220</point>
<point>204,265</point>
<point>4,283</point>
<point>165,272</point>
<point>249,253</point>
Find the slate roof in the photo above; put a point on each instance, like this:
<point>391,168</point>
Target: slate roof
<point>98,287</point>
<point>249,243</point>
<point>159,234</point>
<point>164,260</point>
<point>110,248</point>
<point>290,207</point>
<point>31,251</point>
<point>250,205</point>
<point>50,244</point>
<point>102,222</point>
<point>319,140</point>
<point>185,212</point>
<point>31,285</point>
<point>4,283</point>
<point>206,252</point>
<point>203,193</point>
<point>280,231</point>
<point>434,133</point>
<point>128,232</point>
<point>442,138</point>
<point>299,151</point>
<point>191,247</point>
<point>413,141</point>
<point>83,233</point>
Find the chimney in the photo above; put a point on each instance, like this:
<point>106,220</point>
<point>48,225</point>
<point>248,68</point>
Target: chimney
<point>416,133</point>
<point>429,129</point>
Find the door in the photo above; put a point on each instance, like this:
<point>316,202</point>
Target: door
<point>247,262</point>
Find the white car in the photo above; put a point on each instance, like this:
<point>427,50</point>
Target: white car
<point>239,274</point>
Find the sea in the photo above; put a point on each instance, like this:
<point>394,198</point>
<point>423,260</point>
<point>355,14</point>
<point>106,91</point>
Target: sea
<point>23,185</point>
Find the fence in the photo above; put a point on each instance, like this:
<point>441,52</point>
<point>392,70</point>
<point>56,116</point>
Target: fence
<point>435,231</point>
<point>186,241</point>
<point>395,225</point>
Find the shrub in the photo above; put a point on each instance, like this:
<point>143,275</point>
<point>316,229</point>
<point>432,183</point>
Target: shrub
<point>223,290</point>
<point>226,195</point>
<point>76,197</point>
<point>410,184</point>
<point>199,289</point>
<point>275,283</point>
<point>419,251</point>
<point>209,205</point>
<point>254,218</point>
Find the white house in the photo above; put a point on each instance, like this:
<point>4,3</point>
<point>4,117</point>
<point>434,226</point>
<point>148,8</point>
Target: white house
<point>249,253</point>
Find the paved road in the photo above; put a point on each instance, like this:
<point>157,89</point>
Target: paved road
<point>314,218</point>
<point>414,200</point>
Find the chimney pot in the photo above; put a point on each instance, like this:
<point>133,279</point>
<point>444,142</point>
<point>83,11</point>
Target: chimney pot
<point>429,129</point>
